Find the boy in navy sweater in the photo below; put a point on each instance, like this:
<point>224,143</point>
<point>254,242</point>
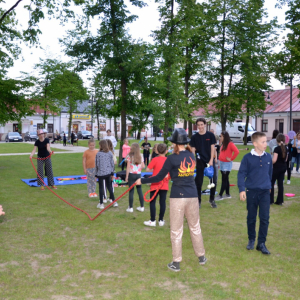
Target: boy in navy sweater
<point>254,182</point>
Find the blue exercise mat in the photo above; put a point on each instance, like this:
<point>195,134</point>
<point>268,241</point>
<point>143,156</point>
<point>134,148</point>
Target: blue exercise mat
<point>66,180</point>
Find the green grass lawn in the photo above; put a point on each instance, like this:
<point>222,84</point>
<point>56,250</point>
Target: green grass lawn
<point>49,250</point>
<point>21,148</point>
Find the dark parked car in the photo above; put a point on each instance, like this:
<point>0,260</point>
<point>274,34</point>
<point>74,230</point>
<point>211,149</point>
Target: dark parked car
<point>30,136</point>
<point>13,137</point>
<point>84,134</point>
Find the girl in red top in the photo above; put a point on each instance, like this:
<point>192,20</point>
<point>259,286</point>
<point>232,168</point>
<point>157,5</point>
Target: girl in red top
<point>228,153</point>
<point>156,164</point>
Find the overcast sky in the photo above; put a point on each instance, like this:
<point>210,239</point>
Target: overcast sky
<point>51,31</point>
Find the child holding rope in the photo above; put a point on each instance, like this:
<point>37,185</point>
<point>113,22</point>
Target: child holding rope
<point>88,163</point>
<point>43,146</point>
<point>156,164</point>
<point>135,164</point>
<point>104,171</point>
<point>183,199</point>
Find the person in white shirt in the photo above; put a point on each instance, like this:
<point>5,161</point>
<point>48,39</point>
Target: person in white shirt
<point>111,137</point>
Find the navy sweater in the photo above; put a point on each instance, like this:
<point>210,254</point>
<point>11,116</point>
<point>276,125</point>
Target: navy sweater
<point>255,172</point>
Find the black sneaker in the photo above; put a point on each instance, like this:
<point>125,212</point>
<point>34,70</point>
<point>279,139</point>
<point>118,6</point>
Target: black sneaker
<point>250,245</point>
<point>227,196</point>
<point>213,203</point>
<point>202,260</point>
<point>262,247</point>
<point>174,266</point>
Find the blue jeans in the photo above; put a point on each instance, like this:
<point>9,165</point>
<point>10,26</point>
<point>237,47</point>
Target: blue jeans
<point>258,199</point>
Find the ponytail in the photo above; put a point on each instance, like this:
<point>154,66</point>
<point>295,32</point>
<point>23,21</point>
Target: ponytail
<point>176,148</point>
<point>280,139</point>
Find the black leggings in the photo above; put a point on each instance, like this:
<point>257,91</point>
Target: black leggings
<point>108,186</point>
<point>288,169</point>
<point>225,182</point>
<point>123,164</point>
<point>131,180</point>
<point>162,202</point>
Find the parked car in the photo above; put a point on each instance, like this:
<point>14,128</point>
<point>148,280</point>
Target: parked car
<point>84,134</point>
<point>30,136</point>
<point>236,131</point>
<point>13,137</point>
<point>67,136</point>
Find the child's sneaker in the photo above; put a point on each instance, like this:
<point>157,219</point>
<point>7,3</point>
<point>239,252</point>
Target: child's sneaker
<point>42,188</point>
<point>101,206</point>
<point>226,196</point>
<point>54,187</point>
<point>141,209</point>
<point>174,266</point>
<point>104,201</point>
<point>219,198</point>
<point>110,201</point>
<point>95,195</point>
<point>288,182</point>
<point>202,260</point>
<point>150,223</point>
<point>91,195</point>
<point>115,204</point>
<point>161,223</point>
<point>129,209</point>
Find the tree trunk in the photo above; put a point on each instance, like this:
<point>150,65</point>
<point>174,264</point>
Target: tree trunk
<point>246,127</point>
<point>116,128</point>
<point>138,135</point>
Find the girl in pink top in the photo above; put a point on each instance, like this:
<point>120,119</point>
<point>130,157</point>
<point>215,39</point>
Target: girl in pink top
<point>228,153</point>
<point>125,151</point>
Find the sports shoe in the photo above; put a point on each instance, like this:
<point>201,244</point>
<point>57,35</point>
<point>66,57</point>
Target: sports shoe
<point>262,247</point>
<point>54,187</point>
<point>141,209</point>
<point>42,188</point>
<point>104,201</point>
<point>288,182</point>
<point>213,203</point>
<point>115,204</point>
<point>150,223</point>
<point>226,196</point>
<point>91,195</point>
<point>202,260</point>
<point>298,171</point>
<point>218,198</point>
<point>101,206</point>
<point>250,245</point>
<point>110,200</point>
<point>129,209</point>
<point>95,195</point>
<point>174,266</point>
<point>161,223</point>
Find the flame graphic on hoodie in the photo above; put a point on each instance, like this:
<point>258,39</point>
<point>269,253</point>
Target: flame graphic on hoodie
<point>187,169</point>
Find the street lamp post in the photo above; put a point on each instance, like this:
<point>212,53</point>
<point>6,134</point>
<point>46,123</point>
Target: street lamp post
<point>92,118</point>
<point>291,100</point>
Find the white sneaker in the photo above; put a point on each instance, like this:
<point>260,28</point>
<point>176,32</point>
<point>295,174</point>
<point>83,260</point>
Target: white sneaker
<point>288,182</point>
<point>292,171</point>
<point>104,201</point>
<point>95,195</point>
<point>161,223</point>
<point>101,206</point>
<point>298,171</point>
<point>110,200</point>
<point>115,204</point>
<point>141,209</point>
<point>129,209</point>
<point>150,223</point>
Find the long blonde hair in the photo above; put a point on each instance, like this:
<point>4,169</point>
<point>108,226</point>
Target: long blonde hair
<point>110,146</point>
<point>135,154</point>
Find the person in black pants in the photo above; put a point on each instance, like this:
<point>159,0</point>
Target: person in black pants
<point>203,146</point>
<point>146,153</point>
<point>254,182</point>
<point>280,158</point>
<point>72,138</point>
<point>156,165</point>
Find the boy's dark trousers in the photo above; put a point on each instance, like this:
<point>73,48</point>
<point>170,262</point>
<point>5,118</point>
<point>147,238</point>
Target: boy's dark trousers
<point>258,199</point>
<point>201,165</point>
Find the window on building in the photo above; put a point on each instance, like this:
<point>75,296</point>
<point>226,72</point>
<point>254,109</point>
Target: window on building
<point>39,126</point>
<point>50,128</point>
<point>264,125</point>
<point>279,125</point>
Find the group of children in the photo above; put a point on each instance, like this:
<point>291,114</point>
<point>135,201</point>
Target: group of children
<point>100,164</point>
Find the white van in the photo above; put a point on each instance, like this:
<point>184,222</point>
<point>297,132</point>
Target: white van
<point>236,131</point>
